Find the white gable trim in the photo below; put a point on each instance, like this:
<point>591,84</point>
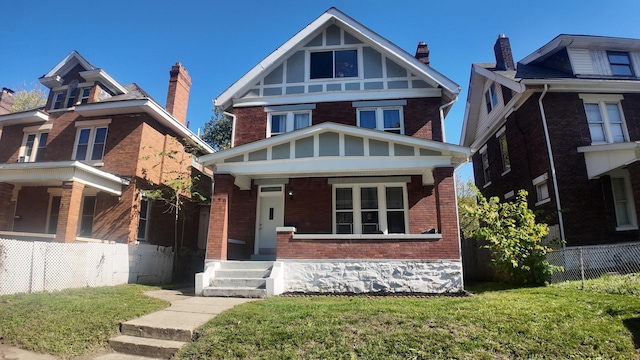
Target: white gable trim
<point>73,54</point>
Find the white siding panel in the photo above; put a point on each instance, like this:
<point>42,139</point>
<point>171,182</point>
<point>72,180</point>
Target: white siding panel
<point>581,61</point>
<point>600,62</point>
<point>635,61</point>
<point>486,120</point>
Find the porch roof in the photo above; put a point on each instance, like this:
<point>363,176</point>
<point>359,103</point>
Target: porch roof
<point>330,149</point>
<point>601,159</point>
<point>51,173</point>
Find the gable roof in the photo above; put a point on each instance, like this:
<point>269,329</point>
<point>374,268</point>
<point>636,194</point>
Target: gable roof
<point>335,16</point>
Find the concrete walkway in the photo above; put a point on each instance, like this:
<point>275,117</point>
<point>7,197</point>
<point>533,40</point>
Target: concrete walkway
<point>186,313</point>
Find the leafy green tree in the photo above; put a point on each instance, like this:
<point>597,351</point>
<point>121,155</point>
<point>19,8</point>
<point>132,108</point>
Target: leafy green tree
<point>217,132</point>
<point>466,198</point>
<point>24,99</point>
<point>513,237</point>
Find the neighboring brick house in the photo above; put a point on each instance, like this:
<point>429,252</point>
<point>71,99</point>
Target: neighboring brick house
<point>564,124</point>
<point>74,170</point>
<point>338,158</point>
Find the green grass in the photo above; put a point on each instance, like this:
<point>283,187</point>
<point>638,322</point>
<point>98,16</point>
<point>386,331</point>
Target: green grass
<point>628,284</point>
<point>545,322</point>
<point>71,322</point>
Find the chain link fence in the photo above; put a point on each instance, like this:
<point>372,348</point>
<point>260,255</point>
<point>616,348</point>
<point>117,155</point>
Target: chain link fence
<point>590,262</point>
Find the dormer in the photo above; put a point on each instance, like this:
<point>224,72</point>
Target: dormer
<point>74,81</point>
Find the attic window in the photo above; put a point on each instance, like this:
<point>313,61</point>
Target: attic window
<point>491,98</point>
<point>620,63</point>
<point>334,64</point>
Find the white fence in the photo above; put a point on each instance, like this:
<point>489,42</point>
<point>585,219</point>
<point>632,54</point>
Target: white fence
<point>588,262</point>
<point>27,266</point>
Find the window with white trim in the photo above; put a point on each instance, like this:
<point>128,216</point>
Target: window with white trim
<point>370,209</point>
<point>84,95</point>
<point>143,219</point>
<point>620,63</point>
<point>605,118</point>
<point>623,202</point>
<point>54,213</point>
<point>542,189</point>
<point>333,64</point>
<point>504,151</point>
<point>58,98</point>
<point>282,122</point>
<point>388,119</point>
<point>72,93</point>
<point>33,146</point>
<point>484,160</point>
<point>86,216</point>
<point>90,140</point>
<point>491,98</point>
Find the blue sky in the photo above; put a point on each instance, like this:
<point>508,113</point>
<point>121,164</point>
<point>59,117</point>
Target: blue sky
<point>217,42</point>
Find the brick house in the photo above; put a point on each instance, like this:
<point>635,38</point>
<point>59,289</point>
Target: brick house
<point>338,169</point>
<point>74,170</point>
<point>563,123</point>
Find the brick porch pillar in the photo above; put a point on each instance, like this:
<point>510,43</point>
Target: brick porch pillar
<point>446,204</point>
<point>69,215</point>
<point>218,233</point>
<point>6,206</point>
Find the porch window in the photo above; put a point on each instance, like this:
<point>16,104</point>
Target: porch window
<point>90,142</point>
<point>370,209</point>
<point>86,219</point>
<point>388,119</point>
<point>280,123</point>
<point>143,220</point>
<point>623,202</point>
<point>33,147</point>
<point>54,212</point>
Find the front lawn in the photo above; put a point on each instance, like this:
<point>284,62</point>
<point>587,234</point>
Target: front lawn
<point>545,322</point>
<point>71,322</point>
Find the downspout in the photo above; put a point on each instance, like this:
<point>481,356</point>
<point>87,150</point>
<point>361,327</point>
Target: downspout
<point>233,127</point>
<point>554,179</point>
<point>442,116</point>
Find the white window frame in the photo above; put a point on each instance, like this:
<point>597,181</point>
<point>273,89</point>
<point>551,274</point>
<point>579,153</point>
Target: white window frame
<point>379,111</point>
<point>84,99</point>
<point>82,218</point>
<point>37,132</point>
<point>630,205</point>
<point>504,150</point>
<point>382,206</point>
<point>92,126</point>
<point>491,97</point>
<point>53,192</point>
<point>73,86</point>
<point>484,160</point>
<point>290,121</point>
<point>602,100</point>
<point>58,98</point>
<point>146,217</point>
<point>541,183</point>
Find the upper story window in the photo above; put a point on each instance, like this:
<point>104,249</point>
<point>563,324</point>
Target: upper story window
<point>72,93</point>
<point>605,118</point>
<point>33,146</point>
<point>382,118</point>
<point>58,98</point>
<point>84,95</point>
<point>333,64</point>
<point>491,98</point>
<point>620,63</point>
<point>280,123</point>
<point>90,140</point>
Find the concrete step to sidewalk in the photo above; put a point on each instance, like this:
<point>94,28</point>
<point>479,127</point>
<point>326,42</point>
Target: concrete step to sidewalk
<point>241,292</point>
<point>245,265</point>
<point>134,345</point>
<point>169,324</point>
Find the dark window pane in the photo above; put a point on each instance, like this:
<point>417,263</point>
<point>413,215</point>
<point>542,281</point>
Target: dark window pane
<point>42,144</point>
<point>392,119</point>
<point>370,222</point>
<point>86,222</point>
<point>278,124</point>
<point>621,70</point>
<point>346,63</point>
<point>369,198</point>
<point>53,214</point>
<point>395,222</point>
<point>321,65</point>
<point>344,198</point>
<point>395,198</point>
<point>344,223</point>
<point>368,119</point>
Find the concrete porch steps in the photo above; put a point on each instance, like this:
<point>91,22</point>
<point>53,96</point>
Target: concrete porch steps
<point>154,348</point>
<point>246,279</point>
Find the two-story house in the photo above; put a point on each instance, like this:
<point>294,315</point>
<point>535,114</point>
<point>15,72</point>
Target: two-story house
<point>564,124</point>
<point>338,169</point>
<point>77,169</point>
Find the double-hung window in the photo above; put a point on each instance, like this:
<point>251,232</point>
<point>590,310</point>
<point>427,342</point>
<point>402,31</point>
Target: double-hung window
<point>58,99</point>
<point>333,64</point>
<point>33,147</point>
<point>84,95</point>
<point>86,219</point>
<point>605,118</point>
<point>143,220</point>
<point>542,189</point>
<point>370,209</point>
<point>620,63</point>
<point>90,140</point>
<point>72,94</point>
<point>491,98</point>
<point>280,123</point>
<point>623,201</point>
<point>382,118</point>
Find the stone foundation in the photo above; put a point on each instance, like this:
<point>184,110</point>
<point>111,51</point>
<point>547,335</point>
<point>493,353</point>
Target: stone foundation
<point>362,276</point>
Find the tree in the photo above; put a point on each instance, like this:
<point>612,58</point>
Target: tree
<point>466,198</point>
<point>25,99</point>
<point>513,237</point>
<point>217,132</point>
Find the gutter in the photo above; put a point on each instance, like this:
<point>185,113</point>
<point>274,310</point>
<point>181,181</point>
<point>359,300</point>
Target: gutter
<point>233,127</point>
<point>552,164</point>
<point>442,116</point>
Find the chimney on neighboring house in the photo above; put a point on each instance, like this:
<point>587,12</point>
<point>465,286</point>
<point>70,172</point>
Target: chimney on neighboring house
<point>422,53</point>
<point>178,94</point>
<point>6,101</point>
<point>504,58</point>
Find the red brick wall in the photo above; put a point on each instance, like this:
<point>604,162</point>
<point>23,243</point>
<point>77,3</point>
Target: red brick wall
<point>6,211</point>
<point>310,210</point>
<point>70,205</point>
<point>32,206</point>
<point>115,219</point>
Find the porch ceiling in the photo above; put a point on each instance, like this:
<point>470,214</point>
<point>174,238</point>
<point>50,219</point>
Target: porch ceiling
<point>52,173</point>
<point>600,159</point>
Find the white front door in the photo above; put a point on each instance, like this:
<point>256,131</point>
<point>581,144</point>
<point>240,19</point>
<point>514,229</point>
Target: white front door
<point>270,216</point>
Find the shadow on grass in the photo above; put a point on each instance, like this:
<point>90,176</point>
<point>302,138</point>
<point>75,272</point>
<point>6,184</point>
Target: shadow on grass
<point>633,324</point>
<point>483,287</point>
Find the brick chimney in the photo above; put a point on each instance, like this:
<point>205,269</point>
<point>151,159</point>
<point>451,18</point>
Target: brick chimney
<point>6,101</point>
<point>178,94</point>
<point>422,53</point>
<point>504,58</point>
